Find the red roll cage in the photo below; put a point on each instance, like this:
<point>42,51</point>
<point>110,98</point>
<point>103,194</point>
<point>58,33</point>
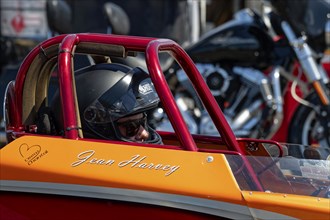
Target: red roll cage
<point>64,48</point>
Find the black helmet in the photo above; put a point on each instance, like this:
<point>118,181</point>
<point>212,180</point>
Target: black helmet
<point>108,92</point>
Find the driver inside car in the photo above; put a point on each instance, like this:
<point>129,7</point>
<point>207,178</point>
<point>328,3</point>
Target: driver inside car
<point>113,102</point>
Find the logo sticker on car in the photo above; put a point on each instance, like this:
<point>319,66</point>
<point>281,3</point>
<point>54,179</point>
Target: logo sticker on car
<point>32,153</point>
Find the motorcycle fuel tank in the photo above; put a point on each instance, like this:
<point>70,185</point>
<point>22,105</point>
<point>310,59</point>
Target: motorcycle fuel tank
<point>242,42</point>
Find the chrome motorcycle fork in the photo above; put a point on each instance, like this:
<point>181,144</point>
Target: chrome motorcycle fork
<point>304,53</point>
<point>277,100</point>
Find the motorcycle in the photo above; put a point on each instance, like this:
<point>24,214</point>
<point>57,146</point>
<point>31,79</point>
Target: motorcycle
<point>265,77</point>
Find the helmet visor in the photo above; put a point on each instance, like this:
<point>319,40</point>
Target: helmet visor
<point>138,98</point>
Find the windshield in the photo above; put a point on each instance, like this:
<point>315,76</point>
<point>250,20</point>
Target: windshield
<point>287,175</point>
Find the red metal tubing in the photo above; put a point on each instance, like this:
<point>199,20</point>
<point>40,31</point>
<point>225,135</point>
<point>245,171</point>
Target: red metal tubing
<point>152,47</point>
<point>129,42</point>
<point>200,86</point>
<point>203,92</point>
<point>21,74</point>
<point>208,100</point>
<point>66,85</point>
<point>166,96</point>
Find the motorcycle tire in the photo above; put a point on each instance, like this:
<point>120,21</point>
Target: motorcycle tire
<point>303,128</point>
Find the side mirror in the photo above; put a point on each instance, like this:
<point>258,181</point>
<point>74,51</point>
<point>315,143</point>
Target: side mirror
<point>59,16</point>
<point>116,18</point>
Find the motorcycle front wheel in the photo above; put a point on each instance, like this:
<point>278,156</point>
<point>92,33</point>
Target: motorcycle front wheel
<point>310,129</point>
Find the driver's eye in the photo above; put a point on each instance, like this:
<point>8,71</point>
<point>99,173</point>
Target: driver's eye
<point>132,127</point>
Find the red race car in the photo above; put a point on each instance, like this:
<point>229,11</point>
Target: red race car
<point>89,153</point>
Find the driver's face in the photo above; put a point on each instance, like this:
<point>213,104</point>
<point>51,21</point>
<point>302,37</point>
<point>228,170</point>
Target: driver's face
<point>134,127</point>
